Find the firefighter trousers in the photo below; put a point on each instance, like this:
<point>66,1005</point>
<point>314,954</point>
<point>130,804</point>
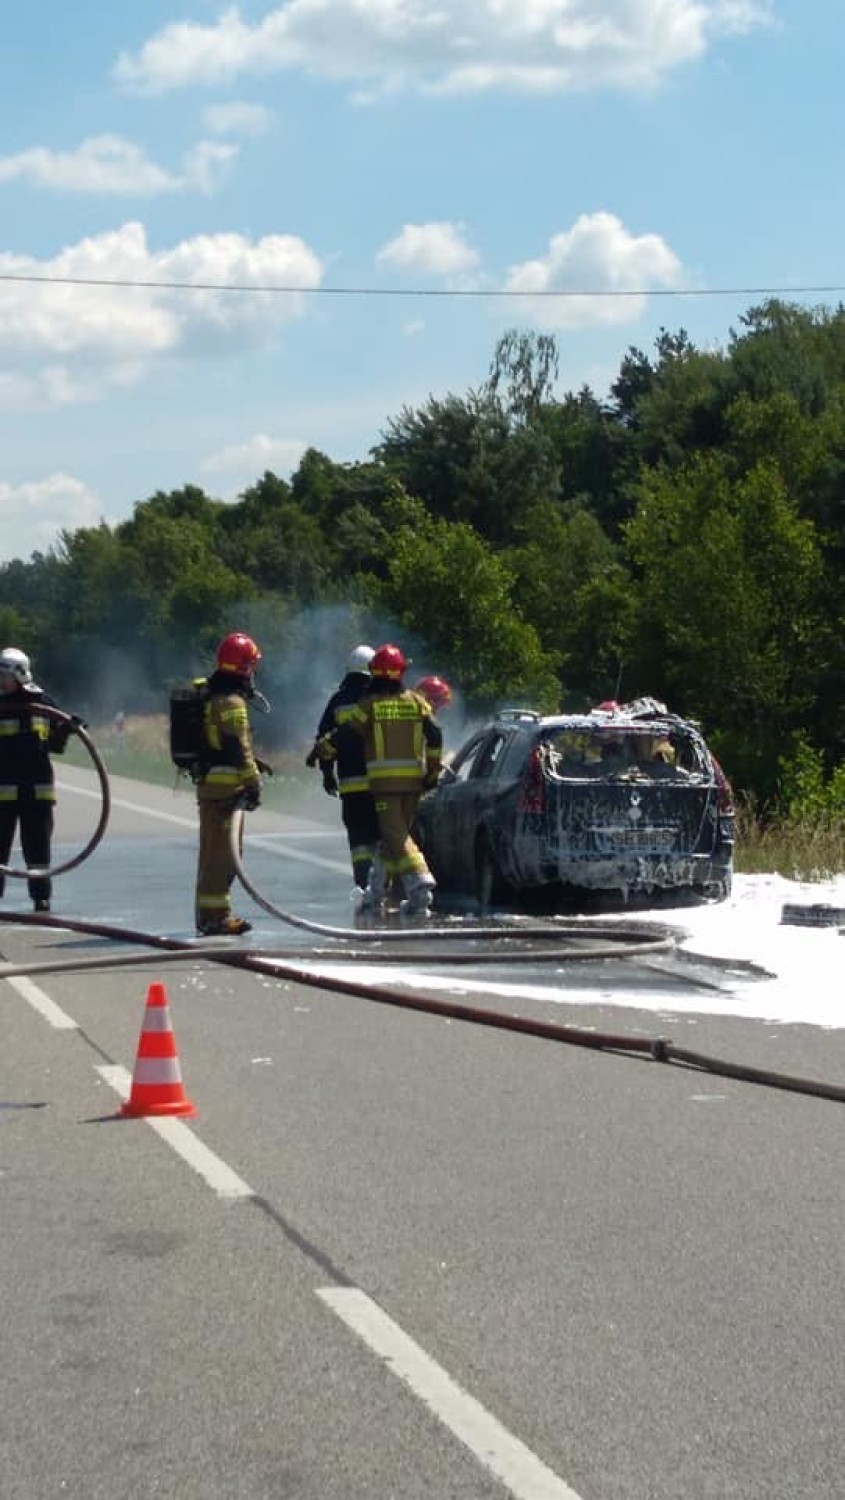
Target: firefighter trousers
<point>215,867</point>
<point>358,810</point>
<point>399,854</point>
<point>33,816</point>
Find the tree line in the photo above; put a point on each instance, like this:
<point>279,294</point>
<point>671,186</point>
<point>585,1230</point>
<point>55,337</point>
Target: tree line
<point>683,538</point>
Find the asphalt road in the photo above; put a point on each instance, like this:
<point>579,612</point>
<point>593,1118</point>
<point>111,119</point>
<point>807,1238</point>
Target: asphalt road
<point>395,1255</point>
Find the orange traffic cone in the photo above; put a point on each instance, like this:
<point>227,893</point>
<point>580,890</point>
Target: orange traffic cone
<point>157,1080</point>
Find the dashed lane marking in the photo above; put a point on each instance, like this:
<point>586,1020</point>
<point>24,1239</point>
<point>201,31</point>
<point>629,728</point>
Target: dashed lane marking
<point>209,1166</point>
<point>47,1008</point>
<point>490,1443</point>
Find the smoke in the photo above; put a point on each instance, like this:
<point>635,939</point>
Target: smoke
<point>304,660</point>
<point>304,653</point>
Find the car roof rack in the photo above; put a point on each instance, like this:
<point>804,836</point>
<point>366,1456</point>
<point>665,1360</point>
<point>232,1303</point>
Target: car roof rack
<point>519,713</point>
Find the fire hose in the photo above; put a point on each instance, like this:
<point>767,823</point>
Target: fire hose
<point>279,965</point>
<point>76,727</point>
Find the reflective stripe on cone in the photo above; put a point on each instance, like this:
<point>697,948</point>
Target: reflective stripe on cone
<point>157,1080</point>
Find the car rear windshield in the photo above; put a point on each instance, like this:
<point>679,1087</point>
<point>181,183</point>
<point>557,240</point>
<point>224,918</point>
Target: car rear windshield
<point>607,750</point>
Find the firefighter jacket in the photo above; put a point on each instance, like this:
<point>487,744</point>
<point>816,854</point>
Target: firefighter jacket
<point>345,750</point>
<point>27,739</point>
<point>402,743</point>
<point>229,766</point>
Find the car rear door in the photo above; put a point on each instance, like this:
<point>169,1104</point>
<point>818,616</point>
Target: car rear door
<point>467,802</point>
<point>638,805</point>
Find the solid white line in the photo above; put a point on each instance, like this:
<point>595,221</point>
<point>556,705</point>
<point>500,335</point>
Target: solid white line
<point>268,841</point>
<point>51,1012</point>
<point>299,854</point>
<point>214,1171</point>
<point>495,1448</point>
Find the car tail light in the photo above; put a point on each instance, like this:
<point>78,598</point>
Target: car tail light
<point>724,794</point>
<point>532,796</point>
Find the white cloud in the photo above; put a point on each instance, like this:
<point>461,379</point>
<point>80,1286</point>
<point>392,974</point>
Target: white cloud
<point>110,164</point>
<point>597,255</point>
<point>237,118</point>
<point>241,464</point>
<point>439,249</point>
<point>469,46</point>
<point>64,342</point>
<point>32,514</point>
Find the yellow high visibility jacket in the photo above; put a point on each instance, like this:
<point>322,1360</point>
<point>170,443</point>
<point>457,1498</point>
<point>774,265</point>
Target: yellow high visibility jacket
<point>230,766</point>
<point>402,744</point>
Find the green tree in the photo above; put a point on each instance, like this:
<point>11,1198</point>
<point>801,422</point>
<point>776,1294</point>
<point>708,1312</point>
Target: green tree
<point>467,461</point>
<point>522,374</point>
<point>448,588</point>
<point>729,576</point>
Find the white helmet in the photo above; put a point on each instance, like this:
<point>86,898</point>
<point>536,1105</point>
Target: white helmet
<point>16,663</point>
<point>359,659</point>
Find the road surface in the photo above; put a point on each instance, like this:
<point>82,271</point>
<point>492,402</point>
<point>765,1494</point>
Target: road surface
<point>394,1255</point>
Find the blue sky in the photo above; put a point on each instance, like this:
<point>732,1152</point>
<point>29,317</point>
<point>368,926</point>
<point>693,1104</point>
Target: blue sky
<point>662,146</point>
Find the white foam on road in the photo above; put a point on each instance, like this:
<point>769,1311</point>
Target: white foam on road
<point>807,964</point>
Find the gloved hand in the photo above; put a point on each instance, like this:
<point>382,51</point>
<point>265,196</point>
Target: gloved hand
<point>430,780</point>
<point>251,798</point>
<point>330,782</point>
<point>311,758</point>
<point>264,767</point>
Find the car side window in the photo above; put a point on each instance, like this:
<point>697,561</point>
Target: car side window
<point>511,761</point>
<point>462,767</point>
<point>487,761</point>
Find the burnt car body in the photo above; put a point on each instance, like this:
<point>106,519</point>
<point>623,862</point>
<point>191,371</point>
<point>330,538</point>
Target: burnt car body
<point>626,799</point>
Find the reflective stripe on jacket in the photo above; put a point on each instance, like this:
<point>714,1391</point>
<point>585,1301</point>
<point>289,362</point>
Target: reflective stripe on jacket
<point>402,744</point>
<point>344,750</point>
<point>25,742</point>
<point>230,766</point>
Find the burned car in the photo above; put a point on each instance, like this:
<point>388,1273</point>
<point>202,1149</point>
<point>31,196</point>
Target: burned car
<point>624,799</point>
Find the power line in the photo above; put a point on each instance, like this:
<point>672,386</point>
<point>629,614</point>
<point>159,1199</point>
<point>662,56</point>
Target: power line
<point>377,291</point>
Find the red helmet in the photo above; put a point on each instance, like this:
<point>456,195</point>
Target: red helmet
<point>238,653</point>
<point>388,661</point>
<point>435,690</point>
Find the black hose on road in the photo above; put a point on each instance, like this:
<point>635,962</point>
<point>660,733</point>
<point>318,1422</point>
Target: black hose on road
<point>647,940</point>
<point>658,1049</point>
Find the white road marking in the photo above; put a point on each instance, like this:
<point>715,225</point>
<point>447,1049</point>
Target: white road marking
<point>266,841</point>
<point>304,859</point>
<point>52,1013</point>
<point>494,1447</point>
<point>213,1170</point>
<point>520,1470</point>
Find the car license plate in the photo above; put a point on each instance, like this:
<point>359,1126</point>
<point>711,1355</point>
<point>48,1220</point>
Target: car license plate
<point>642,840</point>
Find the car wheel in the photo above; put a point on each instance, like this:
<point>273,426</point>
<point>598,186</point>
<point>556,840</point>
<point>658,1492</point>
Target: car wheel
<point>489,884</point>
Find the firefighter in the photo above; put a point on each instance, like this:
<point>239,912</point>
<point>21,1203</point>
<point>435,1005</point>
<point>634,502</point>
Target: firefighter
<point>27,790</point>
<point>228,776</point>
<point>403,747</point>
<point>344,766</point>
<point>436,692</point>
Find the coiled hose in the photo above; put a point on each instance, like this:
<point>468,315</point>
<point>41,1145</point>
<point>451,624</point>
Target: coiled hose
<point>77,728</point>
